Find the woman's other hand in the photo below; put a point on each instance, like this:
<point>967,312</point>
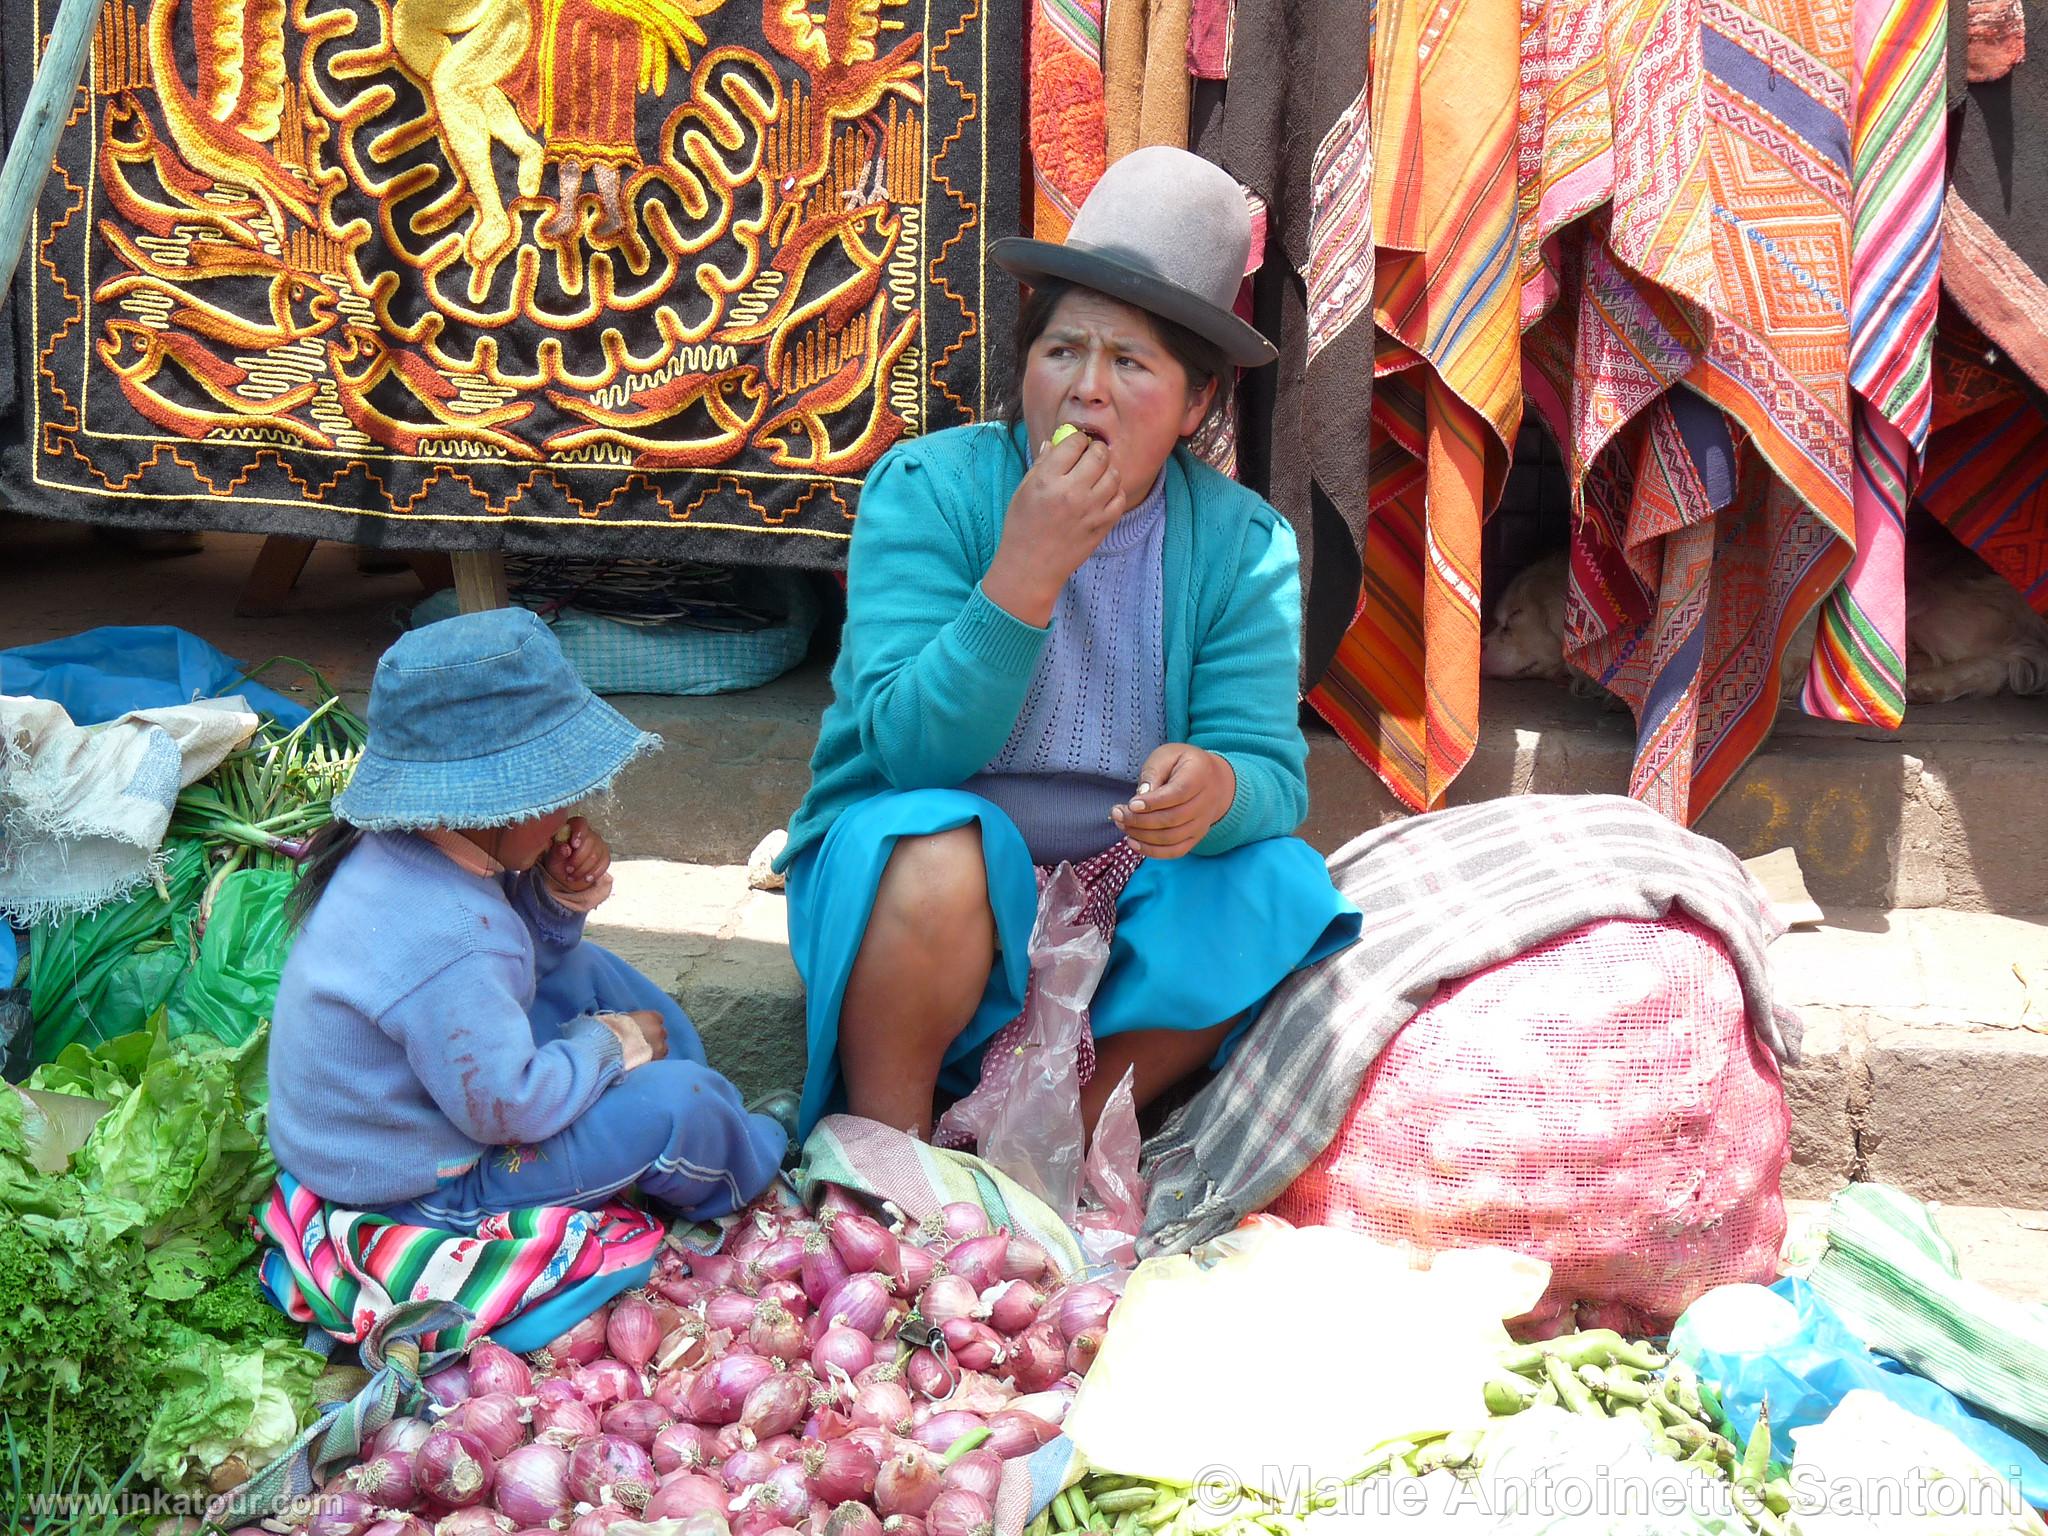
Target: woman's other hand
<point>1069,500</point>
<point>1182,793</point>
<point>643,1037</point>
<point>579,860</point>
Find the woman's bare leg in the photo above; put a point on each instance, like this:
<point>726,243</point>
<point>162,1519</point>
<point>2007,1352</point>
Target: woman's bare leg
<point>922,968</point>
<point>1160,1057</point>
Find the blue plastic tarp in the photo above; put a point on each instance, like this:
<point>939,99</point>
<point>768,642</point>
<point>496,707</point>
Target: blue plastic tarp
<point>101,674</point>
<point>1806,1377</point>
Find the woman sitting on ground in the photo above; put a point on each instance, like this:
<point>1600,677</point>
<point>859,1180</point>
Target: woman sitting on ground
<point>1076,647</point>
<point>446,1044</point>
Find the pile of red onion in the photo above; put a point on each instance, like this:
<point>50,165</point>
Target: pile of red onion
<point>771,1389</point>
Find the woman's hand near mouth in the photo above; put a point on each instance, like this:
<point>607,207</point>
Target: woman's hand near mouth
<point>1067,503</point>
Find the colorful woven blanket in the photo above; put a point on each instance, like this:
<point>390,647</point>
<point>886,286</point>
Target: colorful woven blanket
<point>1987,461</point>
<point>655,277</point>
<point>1694,358</point>
<point>343,1271</point>
<point>1636,214</point>
<point>1068,136</point>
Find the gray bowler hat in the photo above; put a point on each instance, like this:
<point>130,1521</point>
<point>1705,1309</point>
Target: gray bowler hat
<point>1165,231</point>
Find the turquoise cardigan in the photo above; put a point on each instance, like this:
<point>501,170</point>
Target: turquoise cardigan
<point>932,674</point>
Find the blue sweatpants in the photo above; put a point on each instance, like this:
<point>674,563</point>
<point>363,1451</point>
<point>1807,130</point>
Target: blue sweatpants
<point>675,1128</point>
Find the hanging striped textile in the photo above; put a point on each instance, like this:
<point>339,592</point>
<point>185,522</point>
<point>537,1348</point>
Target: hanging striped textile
<point>1987,458</point>
<point>1858,672</point>
<point>343,1271</point>
<point>1685,199</point>
<point>1371,694</point>
<point>1754,232</point>
<point>1403,690</point>
<point>1065,128</point>
<point>1294,132</point>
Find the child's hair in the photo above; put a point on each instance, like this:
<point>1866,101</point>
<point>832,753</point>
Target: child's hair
<point>329,846</point>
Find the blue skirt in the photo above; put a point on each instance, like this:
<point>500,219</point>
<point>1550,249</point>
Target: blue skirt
<point>1198,940</point>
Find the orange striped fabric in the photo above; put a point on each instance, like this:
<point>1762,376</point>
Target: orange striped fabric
<point>1403,690</point>
<point>1065,131</point>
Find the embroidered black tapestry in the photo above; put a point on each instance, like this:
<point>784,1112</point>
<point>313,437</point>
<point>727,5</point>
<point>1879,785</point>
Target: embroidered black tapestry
<point>632,276</point>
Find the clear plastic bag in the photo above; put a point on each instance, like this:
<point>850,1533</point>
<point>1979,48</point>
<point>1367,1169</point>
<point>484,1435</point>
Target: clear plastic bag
<point>1873,1467</point>
<point>1114,1213</point>
<point>1027,1122</point>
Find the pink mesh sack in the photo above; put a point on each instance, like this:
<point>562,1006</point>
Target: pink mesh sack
<point>1599,1102</point>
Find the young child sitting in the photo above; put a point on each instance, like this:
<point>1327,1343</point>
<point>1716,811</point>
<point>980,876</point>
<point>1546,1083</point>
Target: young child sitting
<point>445,1043</point>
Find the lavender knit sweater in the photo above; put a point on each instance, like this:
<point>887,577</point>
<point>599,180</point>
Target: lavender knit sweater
<point>1097,703</point>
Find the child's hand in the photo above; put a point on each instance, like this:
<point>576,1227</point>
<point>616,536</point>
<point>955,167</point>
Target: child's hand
<point>579,860</point>
<point>642,1035</point>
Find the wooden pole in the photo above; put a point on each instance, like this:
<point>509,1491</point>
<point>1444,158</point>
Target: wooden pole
<point>271,579</point>
<point>35,136</point>
<point>480,582</point>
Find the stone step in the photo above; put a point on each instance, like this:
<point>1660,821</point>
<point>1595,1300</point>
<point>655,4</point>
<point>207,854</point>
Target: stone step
<point>1942,814</point>
<point>722,951</point>
<point>1926,1060</point>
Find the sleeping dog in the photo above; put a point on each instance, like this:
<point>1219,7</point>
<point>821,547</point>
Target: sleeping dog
<point>1969,634</point>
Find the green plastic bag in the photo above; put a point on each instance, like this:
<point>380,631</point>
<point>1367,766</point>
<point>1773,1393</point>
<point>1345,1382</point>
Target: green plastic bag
<point>100,975</point>
<point>1894,1279</point>
<point>232,985</point>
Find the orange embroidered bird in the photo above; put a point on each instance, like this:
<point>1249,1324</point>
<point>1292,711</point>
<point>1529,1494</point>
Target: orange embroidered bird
<point>848,80</point>
<point>222,125</point>
<point>138,355</point>
<point>386,397</point>
<point>866,373</point>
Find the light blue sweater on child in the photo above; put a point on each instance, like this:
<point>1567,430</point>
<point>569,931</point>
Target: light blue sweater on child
<point>404,1001</point>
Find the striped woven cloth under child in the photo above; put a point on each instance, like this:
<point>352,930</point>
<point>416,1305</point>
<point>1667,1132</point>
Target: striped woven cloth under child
<point>341,1270</point>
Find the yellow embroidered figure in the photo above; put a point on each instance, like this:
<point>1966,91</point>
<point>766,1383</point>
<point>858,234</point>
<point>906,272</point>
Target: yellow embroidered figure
<point>462,51</point>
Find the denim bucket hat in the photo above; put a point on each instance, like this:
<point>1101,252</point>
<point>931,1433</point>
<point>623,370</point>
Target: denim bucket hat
<point>480,721</point>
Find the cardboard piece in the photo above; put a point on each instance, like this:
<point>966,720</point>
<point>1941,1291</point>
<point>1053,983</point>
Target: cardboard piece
<point>1778,872</point>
